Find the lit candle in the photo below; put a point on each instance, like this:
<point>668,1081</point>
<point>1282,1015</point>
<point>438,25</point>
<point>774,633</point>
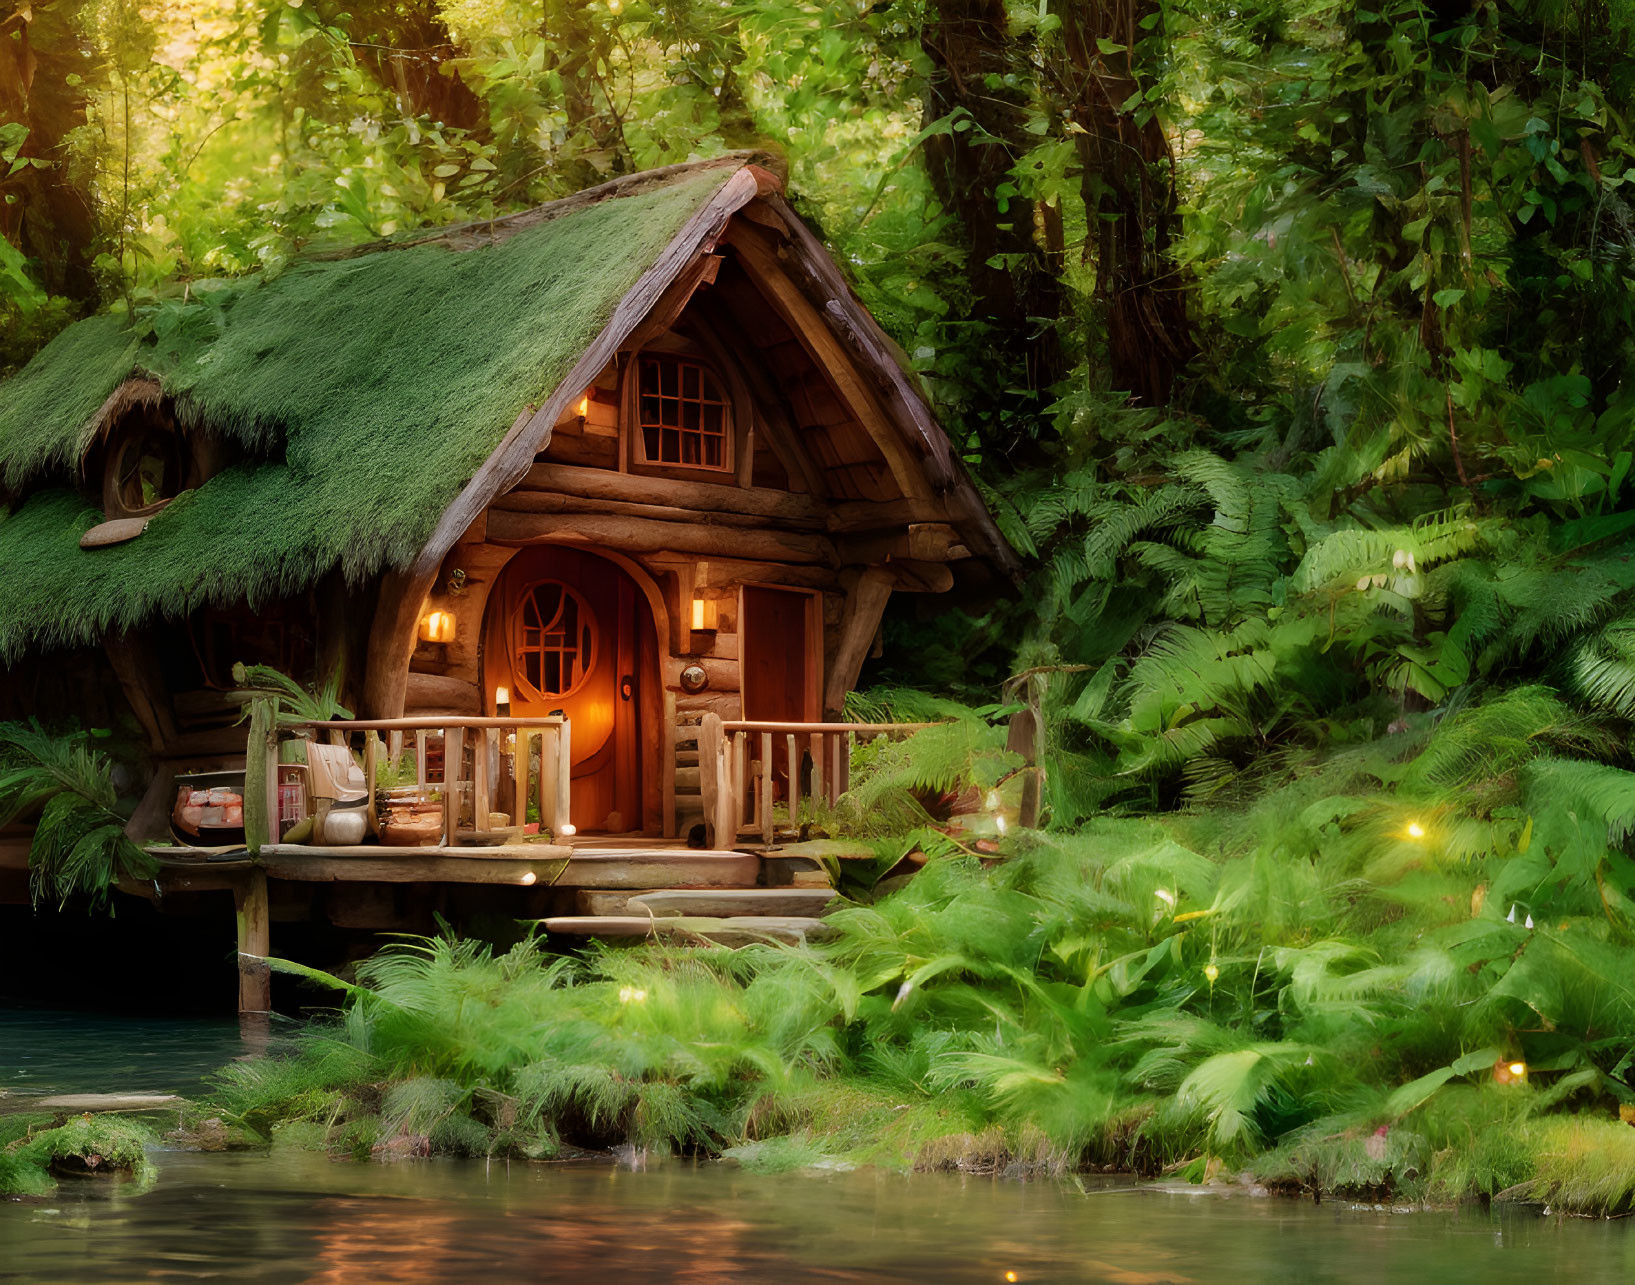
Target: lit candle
<point>584,406</point>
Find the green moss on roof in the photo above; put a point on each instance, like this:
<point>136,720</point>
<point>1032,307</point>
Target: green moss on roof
<point>47,410</point>
<point>378,385</point>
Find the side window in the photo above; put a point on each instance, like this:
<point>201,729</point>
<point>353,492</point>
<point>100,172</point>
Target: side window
<point>145,470</point>
<point>683,411</point>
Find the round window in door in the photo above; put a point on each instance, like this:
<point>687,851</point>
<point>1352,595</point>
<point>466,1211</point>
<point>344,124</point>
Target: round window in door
<point>553,639</point>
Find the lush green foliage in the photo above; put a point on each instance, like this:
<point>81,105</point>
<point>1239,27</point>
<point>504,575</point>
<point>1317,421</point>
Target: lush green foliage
<point>1391,974</point>
<point>66,788</point>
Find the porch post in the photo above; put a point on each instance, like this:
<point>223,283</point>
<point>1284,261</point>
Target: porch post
<point>254,943</point>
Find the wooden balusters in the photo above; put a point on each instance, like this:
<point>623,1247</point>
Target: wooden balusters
<point>794,781</point>
<point>767,829</point>
<point>564,777</point>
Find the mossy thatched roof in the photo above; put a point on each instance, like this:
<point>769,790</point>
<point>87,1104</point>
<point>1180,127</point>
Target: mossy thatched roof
<point>369,389</point>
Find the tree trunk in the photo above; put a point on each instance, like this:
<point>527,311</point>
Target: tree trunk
<point>1015,286</point>
<point>406,47</point>
<point>1128,189</point>
<point>44,82</point>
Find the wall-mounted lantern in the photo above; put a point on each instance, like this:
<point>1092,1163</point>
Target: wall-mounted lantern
<point>437,627</point>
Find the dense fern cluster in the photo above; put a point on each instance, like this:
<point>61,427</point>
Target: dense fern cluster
<point>1403,970</point>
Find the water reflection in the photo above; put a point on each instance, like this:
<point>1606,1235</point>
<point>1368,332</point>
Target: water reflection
<point>300,1218</point>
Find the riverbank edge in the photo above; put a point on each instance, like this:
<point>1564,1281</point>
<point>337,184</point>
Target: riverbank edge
<point>1571,1179</point>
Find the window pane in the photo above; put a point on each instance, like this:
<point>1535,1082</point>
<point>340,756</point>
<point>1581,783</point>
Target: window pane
<point>681,405</point>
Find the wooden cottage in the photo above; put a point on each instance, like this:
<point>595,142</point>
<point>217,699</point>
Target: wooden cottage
<point>628,460</point>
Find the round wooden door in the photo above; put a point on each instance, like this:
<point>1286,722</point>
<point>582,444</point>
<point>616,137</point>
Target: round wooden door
<point>563,635</point>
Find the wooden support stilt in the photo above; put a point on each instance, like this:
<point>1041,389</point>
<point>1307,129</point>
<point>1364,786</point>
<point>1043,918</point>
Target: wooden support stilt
<point>254,944</point>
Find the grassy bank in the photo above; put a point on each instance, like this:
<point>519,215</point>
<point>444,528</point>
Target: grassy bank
<point>36,1150</point>
<point>1402,973</point>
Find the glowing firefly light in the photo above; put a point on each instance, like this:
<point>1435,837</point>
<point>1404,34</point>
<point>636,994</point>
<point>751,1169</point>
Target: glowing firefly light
<point>1211,972</point>
<point>631,995</point>
<point>1415,830</point>
<point>527,880</point>
<point>1518,1069</point>
<point>1011,1276</point>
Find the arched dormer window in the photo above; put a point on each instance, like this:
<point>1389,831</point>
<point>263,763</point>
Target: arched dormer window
<point>683,413</point>
<point>147,468</point>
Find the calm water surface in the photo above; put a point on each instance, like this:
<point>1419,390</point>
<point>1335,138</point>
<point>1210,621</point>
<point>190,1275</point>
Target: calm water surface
<point>294,1217</point>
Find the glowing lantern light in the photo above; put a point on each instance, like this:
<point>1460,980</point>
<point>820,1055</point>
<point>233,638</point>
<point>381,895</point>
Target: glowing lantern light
<point>437,627</point>
<point>502,701</point>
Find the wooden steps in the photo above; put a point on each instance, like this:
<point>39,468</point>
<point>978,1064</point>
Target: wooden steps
<point>721,903</point>
<point>737,930</point>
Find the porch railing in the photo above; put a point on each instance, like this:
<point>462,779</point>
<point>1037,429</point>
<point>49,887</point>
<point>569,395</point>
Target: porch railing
<point>743,763</point>
<point>494,742</point>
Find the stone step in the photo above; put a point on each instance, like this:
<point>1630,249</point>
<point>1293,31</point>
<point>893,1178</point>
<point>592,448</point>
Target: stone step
<point>723,903</point>
<point>740,930</point>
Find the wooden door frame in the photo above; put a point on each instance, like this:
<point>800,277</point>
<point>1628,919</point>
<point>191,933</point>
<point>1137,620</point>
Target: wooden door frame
<point>812,701</point>
<point>657,774</point>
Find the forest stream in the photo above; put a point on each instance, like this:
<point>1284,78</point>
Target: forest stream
<point>294,1216</point>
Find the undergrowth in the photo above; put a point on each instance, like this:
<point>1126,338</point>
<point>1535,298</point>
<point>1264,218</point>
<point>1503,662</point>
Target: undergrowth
<point>1400,975</point>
